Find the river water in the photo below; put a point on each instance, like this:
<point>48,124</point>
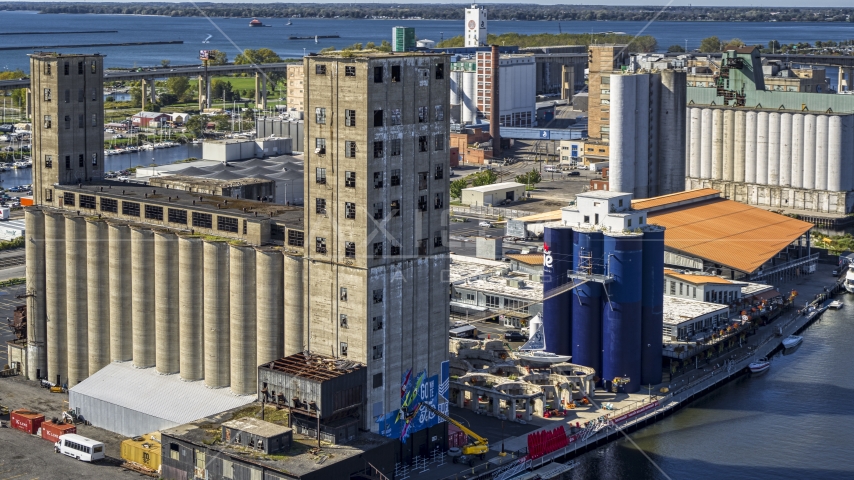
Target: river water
<point>233,35</point>
<point>795,422</point>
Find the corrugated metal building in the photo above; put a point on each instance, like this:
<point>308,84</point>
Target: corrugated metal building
<point>133,401</point>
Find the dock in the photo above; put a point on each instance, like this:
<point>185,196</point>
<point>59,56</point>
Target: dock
<point>82,45</point>
<point>312,37</point>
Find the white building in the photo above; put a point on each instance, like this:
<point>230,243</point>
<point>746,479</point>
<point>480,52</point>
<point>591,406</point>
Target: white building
<point>610,211</point>
<point>495,194</point>
<point>475,26</point>
<point>690,319</point>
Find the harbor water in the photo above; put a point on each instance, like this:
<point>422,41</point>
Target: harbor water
<point>794,422</point>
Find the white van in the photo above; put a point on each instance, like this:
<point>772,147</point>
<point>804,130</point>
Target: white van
<point>79,447</point>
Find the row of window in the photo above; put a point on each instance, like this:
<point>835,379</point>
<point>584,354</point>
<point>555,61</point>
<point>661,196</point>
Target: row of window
<point>395,117</point>
<point>81,161</point>
<point>81,95</point>
<point>379,177</point>
<point>379,147</point>
<point>378,247</point>
<point>154,212</point>
<point>395,72</point>
<point>350,207</point>
<point>66,68</point>
<point>81,121</point>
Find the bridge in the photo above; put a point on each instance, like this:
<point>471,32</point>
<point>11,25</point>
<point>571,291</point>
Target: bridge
<point>148,75</point>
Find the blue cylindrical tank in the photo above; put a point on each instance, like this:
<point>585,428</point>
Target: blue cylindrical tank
<point>557,311</point>
<point>586,302</point>
<point>621,317</point>
<point>652,305</point>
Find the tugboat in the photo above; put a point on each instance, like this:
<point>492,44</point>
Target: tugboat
<point>256,23</point>
<point>760,366</point>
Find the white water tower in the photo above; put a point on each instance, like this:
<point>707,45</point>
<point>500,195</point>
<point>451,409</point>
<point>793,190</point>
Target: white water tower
<point>475,26</point>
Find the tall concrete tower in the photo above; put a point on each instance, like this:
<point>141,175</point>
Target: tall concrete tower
<point>68,120</point>
<point>376,216</point>
<point>475,26</point>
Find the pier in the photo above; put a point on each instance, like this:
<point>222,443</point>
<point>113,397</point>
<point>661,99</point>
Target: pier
<point>312,37</point>
<point>59,33</point>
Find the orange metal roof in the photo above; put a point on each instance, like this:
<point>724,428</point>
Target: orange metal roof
<point>553,216</point>
<point>528,259</point>
<point>696,279</point>
<point>728,233</point>
<point>673,198</point>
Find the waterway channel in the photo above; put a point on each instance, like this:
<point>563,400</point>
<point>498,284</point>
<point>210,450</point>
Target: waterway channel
<point>794,422</point>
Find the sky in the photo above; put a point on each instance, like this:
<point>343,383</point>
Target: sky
<point>718,3</point>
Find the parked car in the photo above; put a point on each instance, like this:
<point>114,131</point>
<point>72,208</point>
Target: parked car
<point>515,337</point>
<point>484,224</point>
<point>573,173</point>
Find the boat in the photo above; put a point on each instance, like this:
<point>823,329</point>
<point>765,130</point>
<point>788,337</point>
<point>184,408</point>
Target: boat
<point>792,341</point>
<point>290,23</point>
<point>256,23</point>
<point>849,279</point>
<point>534,350</point>
<point>760,366</point>
<point>835,305</point>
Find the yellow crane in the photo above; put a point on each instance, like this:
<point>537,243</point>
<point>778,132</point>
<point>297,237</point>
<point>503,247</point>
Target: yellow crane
<point>478,446</point>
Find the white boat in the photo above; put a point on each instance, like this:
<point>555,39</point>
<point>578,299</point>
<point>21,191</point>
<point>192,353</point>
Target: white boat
<point>792,341</point>
<point>835,305</point>
<point>849,279</point>
<point>534,350</point>
<point>760,366</point>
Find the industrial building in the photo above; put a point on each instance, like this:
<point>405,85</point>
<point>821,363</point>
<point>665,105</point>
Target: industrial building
<point>774,149</point>
<point>471,89</point>
<point>204,287</point>
<point>494,194</point>
<point>476,31</point>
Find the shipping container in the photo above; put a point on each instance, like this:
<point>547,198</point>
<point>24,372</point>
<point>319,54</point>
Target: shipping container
<point>456,437</point>
<point>51,431</point>
<point>26,421</point>
<point>27,201</point>
<point>143,450</point>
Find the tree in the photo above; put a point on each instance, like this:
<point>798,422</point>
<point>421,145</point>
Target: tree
<point>262,55</point>
<point>217,57</point>
<point>457,187</point>
<point>178,86</point>
<point>774,45</point>
<point>530,178</point>
<point>734,42</point>
<point>384,46</point>
<point>135,95</point>
<point>710,45</point>
<point>675,49</point>
<point>167,99</point>
<point>165,62</point>
<point>221,90</point>
<point>195,125</point>
<point>486,177</point>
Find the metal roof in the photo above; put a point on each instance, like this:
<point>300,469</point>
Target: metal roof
<point>551,216</point>
<point>313,366</point>
<point>495,187</point>
<point>697,278</point>
<point>528,259</point>
<point>728,233</point>
<point>674,198</point>
<point>162,396</point>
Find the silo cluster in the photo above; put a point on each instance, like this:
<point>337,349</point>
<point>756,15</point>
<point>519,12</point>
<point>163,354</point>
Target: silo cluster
<point>613,326</point>
<point>183,304</point>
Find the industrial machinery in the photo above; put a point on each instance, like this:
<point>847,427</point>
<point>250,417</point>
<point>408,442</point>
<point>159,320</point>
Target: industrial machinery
<point>619,384</point>
<point>478,446</point>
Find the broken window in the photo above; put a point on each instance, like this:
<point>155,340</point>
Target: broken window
<point>440,71</point>
<point>80,161</point>
<point>378,149</point>
<point>350,249</point>
<point>422,180</point>
<point>378,295</point>
<point>66,68</point>
<point>437,239</point>
<point>320,69</point>
<point>203,220</point>
<point>343,321</point>
<point>378,352</point>
<point>378,211</point>
<point>422,246</point>
<point>395,177</point>
<point>320,146</point>
<point>349,118</point>
<point>320,206</point>
<point>395,250</point>
<point>349,210</point>
<point>344,346</point>
<point>422,143</point>
<point>154,212</point>
<point>422,202</point>
<point>79,68</point>
<point>439,142</point>
<point>395,73</point>
<point>223,224</point>
<point>440,172</point>
<point>350,179</point>
<point>378,118</point>
<point>320,175</point>
<point>395,116</point>
<point>320,115</point>
<point>93,68</point>
<point>378,179</point>
<point>395,208</point>
<point>349,149</point>
<point>438,201</point>
<point>422,115</point>
<point>378,323</point>
<point>48,161</point>
<point>87,201</point>
<point>132,209</point>
<point>378,249</point>
<point>395,147</point>
<point>349,71</point>
<point>320,244</point>
<point>440,113</point>
<point>378,74</point>
<point>47,121</point>
<point>68,199</point>
<point>47,95</point>
<point>295,238</point>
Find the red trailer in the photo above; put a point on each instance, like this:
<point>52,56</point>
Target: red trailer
<point>26,421</point>
<point>51,431</point>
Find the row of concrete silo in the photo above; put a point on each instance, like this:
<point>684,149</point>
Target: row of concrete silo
<point>464,94</point>
<point>777,148</point>
<point>203,308</point>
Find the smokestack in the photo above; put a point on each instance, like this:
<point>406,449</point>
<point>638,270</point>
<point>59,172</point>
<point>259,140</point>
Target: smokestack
<point>494,129</point>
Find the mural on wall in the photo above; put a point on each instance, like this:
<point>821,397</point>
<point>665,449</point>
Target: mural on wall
<point>416,389</point>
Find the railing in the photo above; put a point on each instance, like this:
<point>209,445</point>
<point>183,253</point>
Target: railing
<point>808,260</point>
<point>507,213</point>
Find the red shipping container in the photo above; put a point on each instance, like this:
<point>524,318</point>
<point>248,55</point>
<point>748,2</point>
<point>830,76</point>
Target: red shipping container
<point>456,437</point>
<point>51,431</point>
<point>26,421</point>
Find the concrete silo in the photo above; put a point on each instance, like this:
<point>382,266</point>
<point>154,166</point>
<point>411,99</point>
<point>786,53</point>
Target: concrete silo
<point>809,152</point>
<point>121,278</point>
<point>98,286</point>
<point>191,281</point>
<point>270,306</point>
<point>166,322</point>
<point>77,311</point>
<point>557,311</point>
<point>762,148</point>
<point>622,154</point>
<point>216,313</point>
<point>55,295</point>
<point>671,121</point>
<point>142,297</point>
<point>587,300</point>
<point>242,322</point>
<point>797,166</point>
<point>294,288</point>
<point>822,131</point>
<point>36,301</point>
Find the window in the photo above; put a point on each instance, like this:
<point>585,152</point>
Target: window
<point>349,210</point>
<point>349,118</point>
<point>621,202</point>
<point>396,117</point>
<point>94,94</point>
<point>378,74</point>
<point>673,288</point>
<point>493,301</point>
<point>320,244</point>
<point>81,121</point>
<point>79,68</point>
<point>342,321</point>
<point>422,115</point>
<point>378,118</point>
<point>68,199</point>
<point>350,149</point>
<point>378,295</point>
<point>440,71</point>
<point>93,68</point>
<point>223,224</point>
<point>48,194</point>
<point>587,219</point>
<point>395,147</point>
<point>320,146</point>
<point>174,452</point>
<point>81,96</point>
<point>47,95</point>
<point>67,122</point>
<point>320,206</point>
<point>377,323</point>
<point>67,95</point>
<point>68,162</point>
<point>177,215</point>
<point>48,161</point>
<point>343,347</point>
<point>440,113</point>
<point>422,180</point>
<point>378,211</point>
<point>154,212</point>
<point>378,380</point>
<point>66,68</point>
<point>422,203</point>
<point>349,71</point>
<point>378,149</point>
<point>422,246</point>
<point>629,224</point>
<point>350,179</point>
<point>320,69</point>
<point>94,120</point>
<point>378,179</point>
<point>680,287</point>
<point>437,239</point>
<point>395,208</point>
<point>395,73</point>
<point>440,172</point>
<point>395,250</point>
<point>203,220</point>
<point>395,177</point>
<point>422,143</point>
<point>350,249</point>
<point>439,142</point>
<point>295,238</point>
<point>87,201</point>
<point>47,121</point>
<point>47,68</point>
<point>320,175</point>
<point>80,160</point>
<point>343,294</point>
<point>438,202</point>
<point>320,115</point>
<point>109,205</point>
<point>130,209</point>
<point>378,349</point>
<point>378,249</point>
